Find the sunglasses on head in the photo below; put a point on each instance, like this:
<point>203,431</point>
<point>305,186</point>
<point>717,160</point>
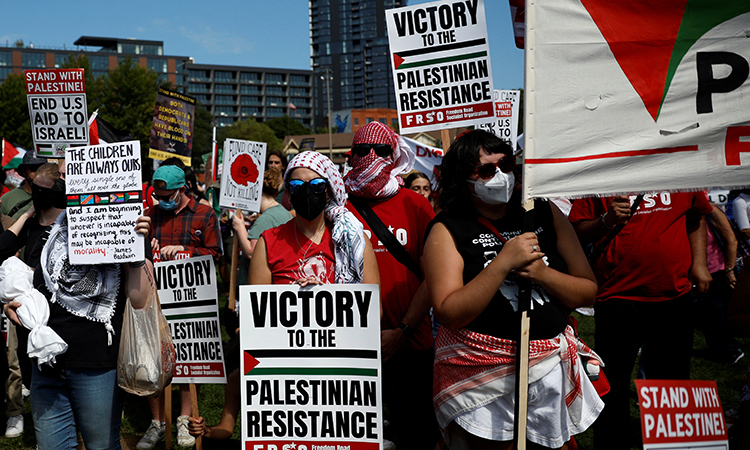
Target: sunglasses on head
<point>317,186</point>
<point>487,171</point>
<point>381,150</point>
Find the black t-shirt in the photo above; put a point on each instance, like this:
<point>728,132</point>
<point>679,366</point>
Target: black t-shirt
<point>478,246</point>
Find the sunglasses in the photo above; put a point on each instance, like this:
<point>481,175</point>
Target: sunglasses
<point>163,198</point>
<point>487,171</point>
<point>382,150</point>
<point>317,186</point>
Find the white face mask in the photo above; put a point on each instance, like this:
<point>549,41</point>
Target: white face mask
<point>497,190</point>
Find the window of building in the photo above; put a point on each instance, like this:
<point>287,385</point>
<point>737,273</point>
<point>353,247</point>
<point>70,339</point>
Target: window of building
<point>224,100</point>
<point>274,112</point>
<point>225,88</point>
<point>157,65</point>
<point>383,121</point>
<point>250,77</point>
<point>100,62</point>
<point>275,90</point>
<point>60,60</point>
<point>274,101</point>
<point>33,60</point>
<point>299,92</point>
<point>4,72</point>
<point>224,121</point>
<point>356,121</point>
<point>298,80</point>
<point>199,87</point>
<point>274,78</point>
<point>6,59</point>
<point>229,110</point>
<point>369,119</point>
<point>202,98</point>
<point>250,111</point>
<point>223,75</point>
<point>198,75</point>
<point>249,89</point>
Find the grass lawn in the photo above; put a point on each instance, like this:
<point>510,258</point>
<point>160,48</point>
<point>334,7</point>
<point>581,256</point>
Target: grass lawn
<point>137,415</point>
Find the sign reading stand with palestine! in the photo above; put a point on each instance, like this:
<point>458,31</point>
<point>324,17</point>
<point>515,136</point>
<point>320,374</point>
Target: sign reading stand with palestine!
<point>441,65</point>
<point>311,367</point>
<point>187,293</point>
<point>242,174</point>
<point>681,414</point>
<point>57,110</point>
<point>172,131</point>
<point>103,187</point>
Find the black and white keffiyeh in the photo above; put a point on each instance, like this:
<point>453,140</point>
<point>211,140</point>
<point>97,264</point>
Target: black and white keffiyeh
<point>88,291</point>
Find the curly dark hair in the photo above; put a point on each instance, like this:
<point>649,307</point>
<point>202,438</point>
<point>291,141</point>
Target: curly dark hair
<point>459,163</point>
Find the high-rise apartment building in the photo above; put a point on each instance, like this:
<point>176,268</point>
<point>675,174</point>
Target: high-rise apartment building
<point>349,38</point>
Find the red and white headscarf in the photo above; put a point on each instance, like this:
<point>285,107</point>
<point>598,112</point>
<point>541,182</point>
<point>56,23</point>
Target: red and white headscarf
<point>347,233</point>
<point>373,176</point>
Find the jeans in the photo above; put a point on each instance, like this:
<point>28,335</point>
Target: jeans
<point>65,398</point>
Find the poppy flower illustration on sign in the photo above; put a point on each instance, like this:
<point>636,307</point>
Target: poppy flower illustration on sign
<point>244,171</point>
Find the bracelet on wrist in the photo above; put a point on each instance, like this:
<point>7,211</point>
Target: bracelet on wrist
<point>728,269</point>
<point>604,222</point>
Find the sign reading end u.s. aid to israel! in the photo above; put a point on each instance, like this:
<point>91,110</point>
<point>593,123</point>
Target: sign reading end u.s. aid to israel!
<point>310,367</point>
<point>636,96</point>
<point>441,65</point>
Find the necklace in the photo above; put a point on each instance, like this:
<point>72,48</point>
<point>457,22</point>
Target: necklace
<point>312,239</point>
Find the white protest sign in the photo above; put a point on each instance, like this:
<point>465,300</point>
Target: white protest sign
<point>441,65</point>
<point>311,367</point>
<point>427,159</point>
<point>637,96</point>
<point>505,124</point>
<point>187,293</point>
<point>242,174</point>
<point>57,109</point>
<point>103,186</point>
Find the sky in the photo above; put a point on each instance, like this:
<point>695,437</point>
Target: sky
<point>255,33</point>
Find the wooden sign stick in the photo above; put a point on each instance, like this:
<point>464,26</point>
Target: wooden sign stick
<point>194,408</point>
<point>233,273</point>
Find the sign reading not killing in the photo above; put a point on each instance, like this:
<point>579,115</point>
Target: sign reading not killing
<point>57,109</point>
<point>242,175</point>
<point>441,65</point>
<point>311,367</point>
<point>103,187</point>
<point>187,293</point>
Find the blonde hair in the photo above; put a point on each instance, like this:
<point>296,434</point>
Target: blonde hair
<point>51,170</point>
<point>272,182</point>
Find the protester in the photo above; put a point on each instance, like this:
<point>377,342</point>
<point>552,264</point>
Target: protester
<point>378,157</point>
<point>15,202</point>
<point>86,304</point>
<point>272,214</point>
<point>476,257</point>
<point>741,212</point>
<point>191,182</point>
<point>419,183</point>
<point>179,225</point>
<point>323,244</point>
<point>277,160</point>
<point>711,311</point>
<point>645,276</point>
<point>48,201</point>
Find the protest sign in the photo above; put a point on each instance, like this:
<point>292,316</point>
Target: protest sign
<point>103,187</point>
<point>242,176</point>
<point>505,123</point>
<point>311,367</point>
<point>636,96</point>
<point>681,414</point>
<point>172,131</point>
<point>427,159</point>
<point>187,293</point>
<point>57,109</point>
<point>441,65</point>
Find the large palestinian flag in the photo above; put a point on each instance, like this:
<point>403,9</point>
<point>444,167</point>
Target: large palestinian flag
<point>636,96</point>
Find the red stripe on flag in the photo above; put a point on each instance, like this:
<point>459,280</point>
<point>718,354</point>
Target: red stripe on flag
<point>656,151</point>
<point>9,152</point>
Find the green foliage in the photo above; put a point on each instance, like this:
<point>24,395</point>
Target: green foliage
<point>250,130</point>
<point>286,126</point>
<point>321,130</point>
<point>14,112</point>
<point>202,134</point>
<point>94,84</point>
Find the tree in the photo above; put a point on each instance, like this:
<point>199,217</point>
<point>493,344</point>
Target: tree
<point>202,134</point>
<point>15,125</point>
<point>286,126</point>
<point>250,130</point>
<point>94,84</point>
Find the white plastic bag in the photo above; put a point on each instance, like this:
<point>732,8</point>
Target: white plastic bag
<point>146,361</point>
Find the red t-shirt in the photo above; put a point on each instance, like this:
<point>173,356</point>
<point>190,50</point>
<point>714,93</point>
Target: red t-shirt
<point>406,215</point>
<point>292,256</point>
<point>650,258</point>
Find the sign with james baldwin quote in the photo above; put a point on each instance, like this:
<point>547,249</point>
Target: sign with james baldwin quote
<point>505,123</point>
<point>187,293</point>
<point>57,109</point>
<point>441,65</point>
<point>103,187</point>
<point>311,367</point>
<point>242,175</point>
<point>681,414</point>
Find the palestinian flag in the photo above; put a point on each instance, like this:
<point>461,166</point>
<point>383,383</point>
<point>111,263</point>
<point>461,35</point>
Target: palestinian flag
<point>101,132</point>
<point>12,155</point>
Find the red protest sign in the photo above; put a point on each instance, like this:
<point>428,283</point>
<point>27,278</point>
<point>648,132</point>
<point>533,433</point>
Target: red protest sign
<point>681,412</point>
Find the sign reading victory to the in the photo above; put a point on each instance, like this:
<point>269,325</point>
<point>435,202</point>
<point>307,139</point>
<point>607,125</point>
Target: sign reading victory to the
<point>242,175</point>
<point>187,293</point>
<point>103,187</point>
<point>636,96</point>
<point>311,367</point>
<point>441,65</point>
<point>57,109</point>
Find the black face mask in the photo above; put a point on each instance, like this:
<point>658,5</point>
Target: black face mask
<point>46,198</point>
<point>308,204</point>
